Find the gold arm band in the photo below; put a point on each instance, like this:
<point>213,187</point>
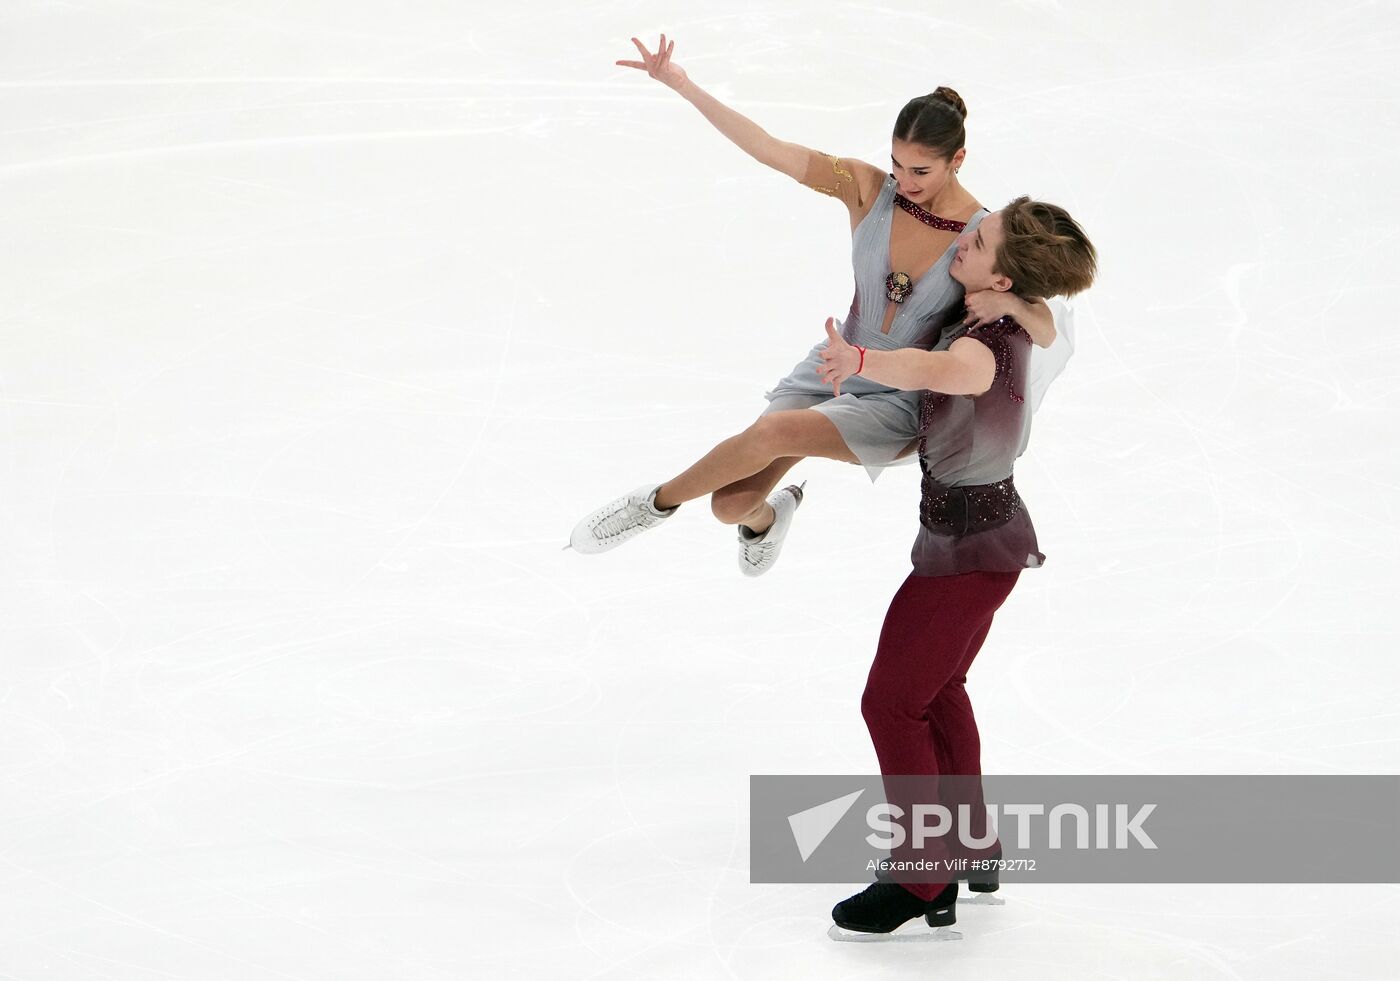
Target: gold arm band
<point>840,173</point>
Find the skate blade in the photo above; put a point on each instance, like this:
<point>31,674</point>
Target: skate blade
<point>981,899</point>
<point>916,935</point>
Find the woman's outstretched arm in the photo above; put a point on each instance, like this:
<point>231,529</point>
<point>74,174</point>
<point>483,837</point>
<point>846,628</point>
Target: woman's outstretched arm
<point>792,159</point>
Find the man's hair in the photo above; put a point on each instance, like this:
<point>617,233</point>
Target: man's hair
<point>1044,252</point>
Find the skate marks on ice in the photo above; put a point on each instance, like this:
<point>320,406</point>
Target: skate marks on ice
<point>981,899</point>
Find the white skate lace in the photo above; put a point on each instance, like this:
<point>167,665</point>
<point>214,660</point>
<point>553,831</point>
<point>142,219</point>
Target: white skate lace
<point>758,553</point>
<point>615,524</point>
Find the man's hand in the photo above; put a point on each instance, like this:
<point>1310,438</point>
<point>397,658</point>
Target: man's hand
<point>839,359</point>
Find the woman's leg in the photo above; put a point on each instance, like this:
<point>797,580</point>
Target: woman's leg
<point>745,502</point>
<point>789,434</point>
<point>792,433</point>
<point>930,636</point>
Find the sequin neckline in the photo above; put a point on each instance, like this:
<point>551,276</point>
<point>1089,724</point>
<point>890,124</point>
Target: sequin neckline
<point>928,217</point>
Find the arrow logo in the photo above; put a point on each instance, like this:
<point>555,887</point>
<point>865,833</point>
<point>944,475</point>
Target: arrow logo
<point>810,827</point>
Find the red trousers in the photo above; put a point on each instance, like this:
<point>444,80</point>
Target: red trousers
<point>915,706</point>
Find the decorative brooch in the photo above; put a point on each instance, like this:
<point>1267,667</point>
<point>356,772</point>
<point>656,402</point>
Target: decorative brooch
<point>898,286</point>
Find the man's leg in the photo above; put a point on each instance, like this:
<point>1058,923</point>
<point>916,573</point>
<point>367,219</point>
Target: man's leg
<point>953,728</point>
<point>924,644</point>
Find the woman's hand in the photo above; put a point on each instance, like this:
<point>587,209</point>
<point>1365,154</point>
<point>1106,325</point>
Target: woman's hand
<point>989,306</point>
<point>658,65</point>
<point>1033,315</point>
<point>839,359</point>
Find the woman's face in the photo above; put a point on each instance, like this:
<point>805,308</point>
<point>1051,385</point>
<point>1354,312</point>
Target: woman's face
<point>922,175</point>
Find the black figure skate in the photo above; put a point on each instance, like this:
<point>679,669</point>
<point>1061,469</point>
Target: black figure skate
<point>984,882</point>
<point>883,907</point>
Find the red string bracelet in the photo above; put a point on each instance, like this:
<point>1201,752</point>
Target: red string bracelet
<point>862,358</point>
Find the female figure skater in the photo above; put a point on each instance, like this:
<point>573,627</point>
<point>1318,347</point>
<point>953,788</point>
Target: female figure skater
<point>905,225</point>
<point>975,535</point>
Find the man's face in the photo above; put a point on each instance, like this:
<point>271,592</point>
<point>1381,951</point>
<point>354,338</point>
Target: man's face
<point>977,252</point>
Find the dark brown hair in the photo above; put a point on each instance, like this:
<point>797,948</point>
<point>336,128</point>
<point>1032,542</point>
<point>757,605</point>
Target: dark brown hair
<point>1043,251</point>
<point>934,121</point>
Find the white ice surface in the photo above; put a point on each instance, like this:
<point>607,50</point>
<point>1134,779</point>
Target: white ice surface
<point>321,323</point>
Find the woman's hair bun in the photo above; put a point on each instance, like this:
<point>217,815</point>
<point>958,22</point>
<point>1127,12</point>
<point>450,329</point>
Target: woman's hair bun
<point>945,94</point>
<point>929,121</point>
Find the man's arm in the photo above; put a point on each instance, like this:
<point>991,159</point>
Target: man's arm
<point>968,367</point>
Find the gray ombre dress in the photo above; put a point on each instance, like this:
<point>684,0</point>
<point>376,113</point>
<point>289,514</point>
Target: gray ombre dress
<point>877,422</point>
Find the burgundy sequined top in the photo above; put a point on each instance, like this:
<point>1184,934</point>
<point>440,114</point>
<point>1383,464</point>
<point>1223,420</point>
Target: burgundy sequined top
<point>971,518</point>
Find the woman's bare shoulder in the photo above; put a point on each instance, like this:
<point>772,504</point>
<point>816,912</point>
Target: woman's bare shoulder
<point>869,177</point>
